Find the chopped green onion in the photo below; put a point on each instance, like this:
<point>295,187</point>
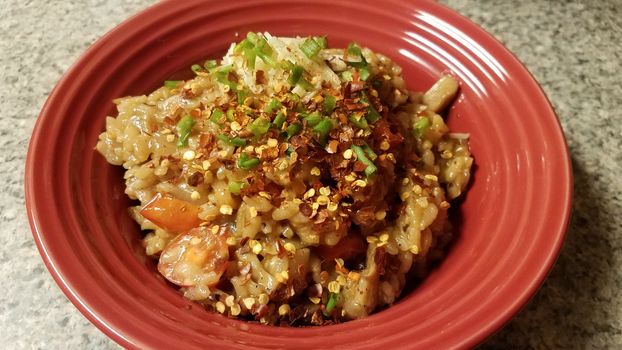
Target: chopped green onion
<point>370,152</point>
<point>274,104</point>
<point>171,84</point>
<point>230,114</point>
<point>312,119</point>
<point>196,68</point>
<point>250,56</point>
<point>222,76</point>
<point>289,150</point>
<point>246,162</point>
<point>235,187</point>
<point>293,130</point>
<point>216,116</point>
<point>361,157</point>
<point>210,64</point>
<point>279,120</point>
<point>329,104</point>
<point>421,126</point>
<point>233,141</point>
<point>259,126</point>
<point>346,75</point>
<point>296,75</point>
<point>331,303</point>
<point>310,47</point>
<point>238,141</point>
<point>184,127</point>
<point>372,115</point>
<point>321,40</point>
<point>323,128</point>
<point>364,73</point>
<point>303,83</point>
<point>360,123</point>
<point>242,95</point>
<point>354,50</point>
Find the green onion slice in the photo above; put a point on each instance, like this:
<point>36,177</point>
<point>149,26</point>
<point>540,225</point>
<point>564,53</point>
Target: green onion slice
<point>296,75</point>
<point>369,152</point>
<point>312,119</point>
<point>279,120</point>
<point>323,128</point>
<point>372,114</point>
<point>196,68</point>
<point>216,116</point>
<point>259,126</point>
<point>171,84</point>
<point>329,104</point>
<point>234,141</point>
<point>332,302</point>
<point>274,104</point>
<point>364,73</point>
<point>359,123</point>
<point>310,47</point>
<point>292,130</point>
<point>355,51</point>
<point>360,156</point>
<point>246,162</point>
<point>210,64</point>
<point>421,126</point>
<point>236,186</point>
<point>184,127</point>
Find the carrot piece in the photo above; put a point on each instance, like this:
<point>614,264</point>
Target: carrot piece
<point>347,247</point>
<point>171,214</point>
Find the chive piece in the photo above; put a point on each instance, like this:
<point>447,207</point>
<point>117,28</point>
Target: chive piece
<point>421,126</point>
<point>216,116</point>
<point>171,84</point>
<point>354,50</point>
<point>359,123</point>
<point>235,187</point>
<point>184,127</point>
<point>329,104</point>
<point>323,128</point>
<point>313,119</point>
<point>210,64</point>
<point>289,150</point>
<point>364,73</point>
<point>279,120</point>
<point>310,48</point>
<point>293,130</point>
<point>346,75</point>
<point>321,40</point>
<point>259,126</point>
<point>361,157</point>
<point>274,104</point>
<point>370,152</point>
<point>233,141</point>
<point>246,162</point>
<point>331,303</point>
<point>296,75</point>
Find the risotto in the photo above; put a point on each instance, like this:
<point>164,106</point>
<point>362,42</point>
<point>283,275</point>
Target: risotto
<point>291,183</point>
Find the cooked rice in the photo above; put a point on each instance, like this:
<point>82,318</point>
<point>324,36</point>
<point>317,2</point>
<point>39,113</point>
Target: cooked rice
<point>262,249</point>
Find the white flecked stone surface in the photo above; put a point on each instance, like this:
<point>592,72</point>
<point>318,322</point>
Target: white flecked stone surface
<point>573,48</point>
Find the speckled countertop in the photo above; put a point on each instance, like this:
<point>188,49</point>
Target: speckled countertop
<point>573,48</point>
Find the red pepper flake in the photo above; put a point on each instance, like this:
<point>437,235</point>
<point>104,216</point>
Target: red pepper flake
<point>380,258</point>
<point>260,77</point>
<point>305,209</point>
<point>359,166</point>
<point>195,179</point>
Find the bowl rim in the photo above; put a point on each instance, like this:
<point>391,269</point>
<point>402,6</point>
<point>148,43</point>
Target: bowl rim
<point>502,318</point>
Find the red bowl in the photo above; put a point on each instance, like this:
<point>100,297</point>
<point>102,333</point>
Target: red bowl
<point>513,219</point>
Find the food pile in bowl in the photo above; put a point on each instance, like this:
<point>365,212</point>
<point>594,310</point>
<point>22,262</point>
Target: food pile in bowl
<point>291,183</point>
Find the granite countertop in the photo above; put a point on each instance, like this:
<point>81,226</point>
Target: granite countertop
<point>573,48</point>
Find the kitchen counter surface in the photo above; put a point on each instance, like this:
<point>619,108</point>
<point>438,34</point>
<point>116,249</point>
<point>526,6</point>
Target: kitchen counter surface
<point>573,48</point>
